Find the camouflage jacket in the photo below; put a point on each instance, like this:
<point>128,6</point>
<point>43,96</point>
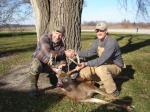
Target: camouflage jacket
<point>47,51</point>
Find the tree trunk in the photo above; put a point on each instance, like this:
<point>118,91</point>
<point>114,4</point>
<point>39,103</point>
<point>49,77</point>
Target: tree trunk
<point>52,13</point>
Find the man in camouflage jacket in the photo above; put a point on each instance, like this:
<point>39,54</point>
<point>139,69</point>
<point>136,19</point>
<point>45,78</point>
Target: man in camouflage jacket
<point>49,52</point>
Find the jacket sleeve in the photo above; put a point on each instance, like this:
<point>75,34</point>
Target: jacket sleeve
<point>45,46</point>
<point>89,52</point>
<point>108,51</point>
<point>60,55</point>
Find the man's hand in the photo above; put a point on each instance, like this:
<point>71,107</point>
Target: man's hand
<point>81,66</point>
<point>60,66</point>
<point>70,53</point>
<point>56,70</point>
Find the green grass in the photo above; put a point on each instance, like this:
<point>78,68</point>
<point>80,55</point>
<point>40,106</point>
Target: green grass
<point>15,49</point>
<point>135,89</point>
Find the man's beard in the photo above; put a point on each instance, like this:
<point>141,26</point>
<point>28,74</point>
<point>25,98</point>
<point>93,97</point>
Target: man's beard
<point>55,41</point>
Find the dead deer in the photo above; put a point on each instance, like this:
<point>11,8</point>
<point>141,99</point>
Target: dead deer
<point>82,90</point>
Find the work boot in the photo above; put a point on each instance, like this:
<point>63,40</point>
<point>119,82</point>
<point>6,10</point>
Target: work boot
<point>116,93</point>
<point>34,87</point>
<point>112,96</point>
<point>53,79</point>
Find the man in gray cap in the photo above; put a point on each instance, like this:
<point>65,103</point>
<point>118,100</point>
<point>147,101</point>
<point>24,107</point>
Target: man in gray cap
<point>109,62</point>
<point>50,52</point>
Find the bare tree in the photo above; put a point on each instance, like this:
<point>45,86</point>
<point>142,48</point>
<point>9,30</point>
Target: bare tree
<point>52,13</point>
<point>11,11</point>
<point>143,7</point>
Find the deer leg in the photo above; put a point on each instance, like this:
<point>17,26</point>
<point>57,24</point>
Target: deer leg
<point>98,101</point>
<point>100,92</point>
<point>94,100</point>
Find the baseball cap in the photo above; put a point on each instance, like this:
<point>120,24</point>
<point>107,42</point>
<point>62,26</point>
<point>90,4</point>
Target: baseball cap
<point>101,26</point>
<point>60,29</point>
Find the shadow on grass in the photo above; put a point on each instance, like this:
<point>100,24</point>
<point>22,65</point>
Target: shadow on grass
<point>17,50</point>
<point>126,75</point>
<point>8,35</point>
<point>88,38</point>
<point>122,36</point>
<point>131,46</point>
<point>19,101</point>
<point>125,101</point>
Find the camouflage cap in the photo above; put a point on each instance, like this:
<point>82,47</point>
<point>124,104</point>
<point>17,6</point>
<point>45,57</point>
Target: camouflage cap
<point>60,29</point>
<point>101,26</point>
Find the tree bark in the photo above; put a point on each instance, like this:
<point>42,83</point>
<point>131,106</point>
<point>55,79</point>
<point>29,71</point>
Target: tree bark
<point>52,13</point>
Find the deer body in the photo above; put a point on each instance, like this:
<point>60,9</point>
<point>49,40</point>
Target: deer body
<point>80,90</point>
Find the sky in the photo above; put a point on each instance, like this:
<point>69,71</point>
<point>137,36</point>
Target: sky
<point>110,11</point>
<point>106,10</point>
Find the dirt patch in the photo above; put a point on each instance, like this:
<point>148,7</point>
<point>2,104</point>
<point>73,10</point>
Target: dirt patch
<point>18,79</point>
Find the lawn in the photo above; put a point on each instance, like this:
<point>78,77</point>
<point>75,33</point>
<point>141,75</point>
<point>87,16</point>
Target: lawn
<point>16,49</point>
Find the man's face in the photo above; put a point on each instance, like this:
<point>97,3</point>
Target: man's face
<point>100,34</point>
<point>56,37</point>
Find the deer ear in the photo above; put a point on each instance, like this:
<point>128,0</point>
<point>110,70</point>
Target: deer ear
<point>62,74</point>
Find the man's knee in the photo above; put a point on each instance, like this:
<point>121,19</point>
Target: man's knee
<point>36,67</point>
<point>101,69</point>
<point>86,73</point>
<point>102,72</point>
<point>106,78</point>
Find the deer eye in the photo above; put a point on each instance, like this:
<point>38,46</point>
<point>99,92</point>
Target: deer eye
<point>65,79</point>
